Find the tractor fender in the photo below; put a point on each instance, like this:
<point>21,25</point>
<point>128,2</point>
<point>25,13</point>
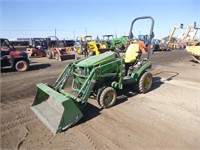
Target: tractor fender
<point>140,70</point>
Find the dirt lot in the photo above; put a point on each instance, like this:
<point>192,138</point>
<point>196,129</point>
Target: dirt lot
<point>168,117</point>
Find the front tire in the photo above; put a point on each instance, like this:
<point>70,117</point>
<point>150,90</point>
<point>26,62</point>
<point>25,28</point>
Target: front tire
<point>21,66</point>
<point>144,84</point>
<point>107,97</point>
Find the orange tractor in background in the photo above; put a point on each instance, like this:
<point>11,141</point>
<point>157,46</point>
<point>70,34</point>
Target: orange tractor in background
<point>57,49</point>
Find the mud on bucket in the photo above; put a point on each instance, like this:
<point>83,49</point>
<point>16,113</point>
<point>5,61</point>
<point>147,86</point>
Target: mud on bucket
<point>57,111</point>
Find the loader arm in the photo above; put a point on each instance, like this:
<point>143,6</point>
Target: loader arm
<point>63,77</point>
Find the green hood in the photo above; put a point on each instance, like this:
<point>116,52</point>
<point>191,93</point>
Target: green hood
<point>97,60</point>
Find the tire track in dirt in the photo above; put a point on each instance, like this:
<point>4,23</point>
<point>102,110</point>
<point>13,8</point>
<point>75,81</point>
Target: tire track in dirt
<point>84,131</point>
<point>9,105</point>
<point>29,90</point>
<point>121,127</point>
<point>21,95</point>
<point>15,123</point>
<point>18,136</point>
<point>114,126</point>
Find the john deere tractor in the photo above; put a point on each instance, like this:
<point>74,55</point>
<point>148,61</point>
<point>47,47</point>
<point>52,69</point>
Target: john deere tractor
<point>119,44</point>
<point>60,106</point>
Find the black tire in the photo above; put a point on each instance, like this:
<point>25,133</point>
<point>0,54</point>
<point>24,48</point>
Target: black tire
<point>99,93</point>
<point>49,54</point>
<point>107,97</point>
<point>118,47</point>
<point>144,84</point>
<point>105,44</point>
<point>21,66</point>
<point>34,55</point>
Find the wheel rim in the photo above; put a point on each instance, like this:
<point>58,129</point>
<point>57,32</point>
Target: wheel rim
<point>79,50</point>
<point>21,66</point>
<point>103,46</point>
<point>91,52</point>
<point>147,82</point>
<point>108,97</point>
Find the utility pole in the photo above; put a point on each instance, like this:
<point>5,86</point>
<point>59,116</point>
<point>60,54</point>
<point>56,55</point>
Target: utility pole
<point>55,31</point>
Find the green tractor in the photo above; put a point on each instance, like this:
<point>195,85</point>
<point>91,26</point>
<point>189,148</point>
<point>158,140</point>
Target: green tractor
<point>60,106</point>
<point>116,43</point>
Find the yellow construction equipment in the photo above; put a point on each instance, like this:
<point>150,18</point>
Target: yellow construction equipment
<point>90,45</point>
<point>194,51</point>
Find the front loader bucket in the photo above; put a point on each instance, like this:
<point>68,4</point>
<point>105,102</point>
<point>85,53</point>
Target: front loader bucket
<point>56,111</point>
<point>67,57</point>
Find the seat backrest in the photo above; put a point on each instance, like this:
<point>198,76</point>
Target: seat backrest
<point>131,53</point>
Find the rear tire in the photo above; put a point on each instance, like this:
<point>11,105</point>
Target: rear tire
<point>107,97</point>
<point>34,55</point>
<point>144,84</point>
<point>21,66</point>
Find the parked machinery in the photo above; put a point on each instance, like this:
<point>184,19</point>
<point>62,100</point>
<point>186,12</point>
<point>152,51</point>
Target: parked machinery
<point>57,49</point>
<point>189,35</point>
<point>119,44</point>
<point>67,44</point>
<point>10,58</point>
<point>175,43</point>
<point>86,43</point>
<point>108,39</point>
<point>20,44</point>
<point>194,50</point>
<point>81,43</point>
<point>59,106</point>
<point>37,47</point>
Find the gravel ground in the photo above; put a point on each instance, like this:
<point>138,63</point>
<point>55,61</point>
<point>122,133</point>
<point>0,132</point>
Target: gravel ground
<point>167,117</point>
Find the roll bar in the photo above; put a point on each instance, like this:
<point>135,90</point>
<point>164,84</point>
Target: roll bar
<point>151,34</point>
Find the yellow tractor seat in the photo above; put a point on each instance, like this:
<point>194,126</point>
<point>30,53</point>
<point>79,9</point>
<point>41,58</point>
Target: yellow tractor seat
<point>131,53</point>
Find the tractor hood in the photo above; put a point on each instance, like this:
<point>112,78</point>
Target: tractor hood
<point>97,60</point>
